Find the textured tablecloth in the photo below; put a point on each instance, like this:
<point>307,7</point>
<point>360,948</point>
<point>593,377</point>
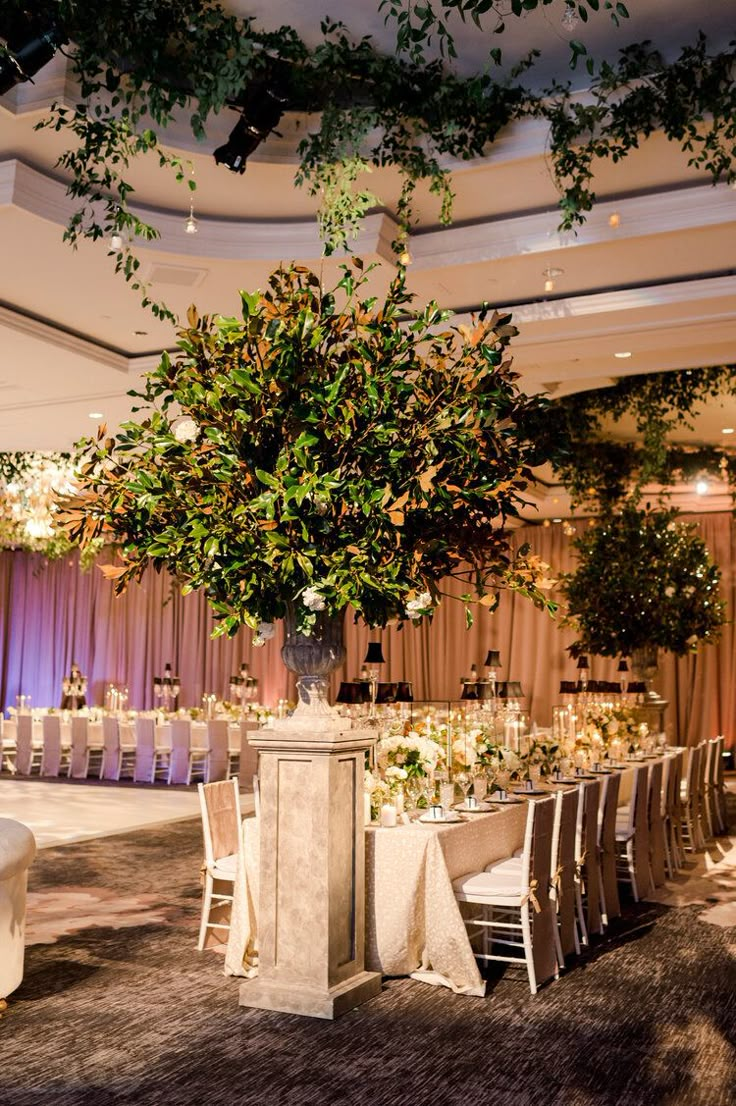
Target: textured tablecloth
<point>413,922</point>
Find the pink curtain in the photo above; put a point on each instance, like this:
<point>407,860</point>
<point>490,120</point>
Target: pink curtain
<point>51,614</point>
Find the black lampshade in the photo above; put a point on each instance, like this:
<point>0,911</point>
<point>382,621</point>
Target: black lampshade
<point>386,693</point>
<point>493,659</point>
<point>470,690</point>
<point>374,654</point>
<point>623,665</point>
<point>583,662</point>
<point>404,693</point>
<point>346,694</point>
<point>514,690</point>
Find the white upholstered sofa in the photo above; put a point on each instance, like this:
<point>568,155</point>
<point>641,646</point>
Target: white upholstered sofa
<point>17,850</point>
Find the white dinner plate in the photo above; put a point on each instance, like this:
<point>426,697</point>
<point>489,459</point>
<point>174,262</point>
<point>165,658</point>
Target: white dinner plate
<point>479,808</point>
<point>449,816</point>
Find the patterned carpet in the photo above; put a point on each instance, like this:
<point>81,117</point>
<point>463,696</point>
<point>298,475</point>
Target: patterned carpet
<point>118,1008</point>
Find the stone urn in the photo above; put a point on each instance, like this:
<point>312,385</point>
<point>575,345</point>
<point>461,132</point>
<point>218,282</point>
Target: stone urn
<point>312,657</point>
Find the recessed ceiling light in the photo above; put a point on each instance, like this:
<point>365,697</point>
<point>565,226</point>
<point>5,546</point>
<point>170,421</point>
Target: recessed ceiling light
<point>557,520</point>
<point>623,354</point>
<point>140,332</point>
<point>614,220</point>
<point>727,430</point>
<point>96,415</point>
<point>701,487</point>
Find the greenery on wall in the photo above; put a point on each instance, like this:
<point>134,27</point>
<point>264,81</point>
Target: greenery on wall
<point>320,452</point>
<point>643,579</point>
<point>141,62</point>
<point>599,471</point>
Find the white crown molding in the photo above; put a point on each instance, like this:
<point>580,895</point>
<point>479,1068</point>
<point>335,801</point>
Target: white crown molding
<point>42,195</point>
<point>485,240</point>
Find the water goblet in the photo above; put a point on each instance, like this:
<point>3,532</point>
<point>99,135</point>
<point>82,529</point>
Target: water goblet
<point>480,786</point>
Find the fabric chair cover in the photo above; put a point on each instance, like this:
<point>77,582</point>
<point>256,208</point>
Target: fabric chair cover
<point>111,758</point>
<point>538,878</point>
<point>656,825</point>
<point>248,755</point>
<point>640,822</point>
<point>563,868</point>
<point>607,845</point>
<point>587,853</point>
<point>51,763</point>
<point>181,739</point>
<point>217,757</point>
<point>24,744</point>
<point>145,741</point>
<point>80,738</point>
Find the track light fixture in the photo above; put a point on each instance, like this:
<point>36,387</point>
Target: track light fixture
<point>265,102</point>
<point>29,46</point>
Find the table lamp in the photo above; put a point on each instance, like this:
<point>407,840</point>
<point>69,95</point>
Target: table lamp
<point>374,656</point>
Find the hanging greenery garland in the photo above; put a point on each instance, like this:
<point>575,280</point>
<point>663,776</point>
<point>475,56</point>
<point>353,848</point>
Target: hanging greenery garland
<point>141,62</point>
<point>643,580</point>
<point>599,471</point>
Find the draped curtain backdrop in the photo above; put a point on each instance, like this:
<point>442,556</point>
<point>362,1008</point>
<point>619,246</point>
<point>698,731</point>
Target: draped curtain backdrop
<point>52,614</point>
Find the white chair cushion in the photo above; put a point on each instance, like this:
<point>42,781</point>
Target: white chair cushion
<point>490,886</point>
<point>224,868</point>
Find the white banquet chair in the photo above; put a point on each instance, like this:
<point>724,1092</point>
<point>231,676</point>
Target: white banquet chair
<point>632,837</point>
<point>119,755</point>
<point>29,750</point>
<point>57,754</point>
<point>562,890</point>
<point>509,889</point>
<point>588,873</point>
<point>718,792</point>
<point>181,741</point>
<point>8,747</point>
<point>248,764</point>
<point>87,750</point>
<point>151,756</point>
<point>657,873</point>
<point>610,903</point>
<point>222,832</point>
<point>218,757</point>
<point>690,795</point>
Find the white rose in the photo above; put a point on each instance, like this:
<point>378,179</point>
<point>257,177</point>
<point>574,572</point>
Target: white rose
<point>417,606</point>
<point>669,592</point>
<point>186,431</point>
<point>313,600</point>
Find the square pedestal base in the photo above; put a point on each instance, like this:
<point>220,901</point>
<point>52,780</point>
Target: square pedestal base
<point>310,1001</point>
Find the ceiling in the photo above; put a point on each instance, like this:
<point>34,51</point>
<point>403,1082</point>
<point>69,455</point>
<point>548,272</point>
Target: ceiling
<point>660,285</point>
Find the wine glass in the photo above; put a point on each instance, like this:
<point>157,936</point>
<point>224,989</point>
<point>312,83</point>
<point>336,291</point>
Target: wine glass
<point>480,784</point>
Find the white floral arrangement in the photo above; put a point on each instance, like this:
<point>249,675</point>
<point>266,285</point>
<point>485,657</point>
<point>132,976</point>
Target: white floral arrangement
<point>379,790</point>
<point>415,754</point>
<point>606,724</point>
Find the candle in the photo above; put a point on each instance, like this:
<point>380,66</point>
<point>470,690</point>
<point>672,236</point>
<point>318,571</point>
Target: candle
<point>388,815</point>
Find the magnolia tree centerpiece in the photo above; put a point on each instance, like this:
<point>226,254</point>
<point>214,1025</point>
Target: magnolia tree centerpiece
<point>644,582</point>
<point>325,450</point>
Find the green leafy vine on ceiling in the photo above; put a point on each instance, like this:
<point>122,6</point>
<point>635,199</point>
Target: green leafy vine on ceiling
<point>376,109</point>
<point>600,471</point>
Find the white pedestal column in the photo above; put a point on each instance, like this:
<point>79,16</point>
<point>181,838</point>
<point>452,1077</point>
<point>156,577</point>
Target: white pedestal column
<point>311,910</point>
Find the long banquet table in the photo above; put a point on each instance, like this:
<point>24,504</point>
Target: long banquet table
<point>414,925</point>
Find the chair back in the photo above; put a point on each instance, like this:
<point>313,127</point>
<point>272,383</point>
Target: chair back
<point>221,818</point>
<point>607,843</point>
<point>563,865</point>
<point>51,724</point>
<point>181,740</point>
<point>639,822</point>
<point>23,744</point>
<point>674,781</point>
<point>248,755</point>
<point>656,825</point>
<point>80,738</point>
<point>692,775</point>
<point>217,757</point>
<point>536,879</point>
<point>111,747</point>
<point>586,847</point>
<point>145,742</point>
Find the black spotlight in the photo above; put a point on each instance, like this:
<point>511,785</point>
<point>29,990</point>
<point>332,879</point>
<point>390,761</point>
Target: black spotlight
<point>263,107</point>
<point>29,47</point>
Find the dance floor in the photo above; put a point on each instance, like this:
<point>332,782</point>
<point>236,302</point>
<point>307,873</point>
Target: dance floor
<point>61,813</point>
